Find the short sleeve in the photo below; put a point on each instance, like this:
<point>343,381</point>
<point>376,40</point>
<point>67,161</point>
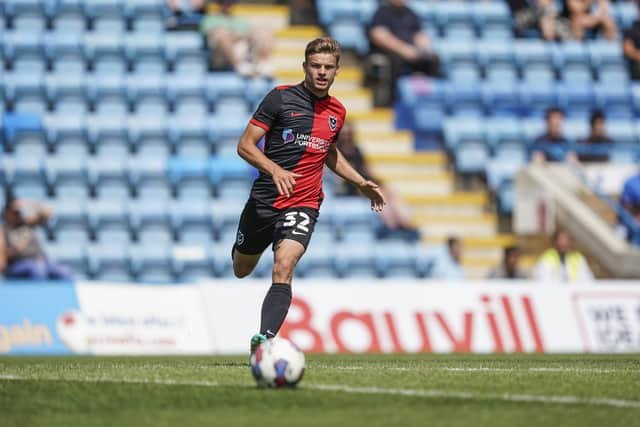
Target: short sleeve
<point>381,18</point>
<point>268,110</point>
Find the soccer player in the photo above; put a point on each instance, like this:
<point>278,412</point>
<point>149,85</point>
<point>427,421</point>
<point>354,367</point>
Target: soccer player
<point>301,125</point>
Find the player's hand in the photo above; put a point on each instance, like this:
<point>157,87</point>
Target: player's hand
<point>285,181</point>
<point>372,190</point>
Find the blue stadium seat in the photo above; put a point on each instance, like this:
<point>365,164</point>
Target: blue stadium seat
<point>101,127</point>
<point>503,167</point>
<point>452,51</point>
<point>148,65</point>
<point>58,85</point>
<point>330,11</point>
<point>22,42</point>
<point>108,177</point>
<point>506,198</point>
<point>538,96</point>
<point>532,128</point>
<point>20,85</point>
<point>457,130</point>
<point>192,65</point>
<point>613,73</point>
<point>57,43</point>
<point>349,212</point>
<point>351,35</point>
<point>191,221</point>
<point>427,117</point>
<point>577,73</point>
<point>68,178</point>
<point>576,95</point>
<point>225,214</point>
<point>222,84</point>
<point>538,74</point>
<point>459,31</point>
<point>487,13</point>
<point>111,105</point>
<point>97,45</point>
<point>609,94</point>
<point>192,263</point>
<point>502,72</point>
<point>528,52</point>
<point>494,52</point>
<point>497,31</point>
<point>179,44</point>
<point>502,130</point>
<point>142,127</point>
<point>59,126</point>
<point>570,53</point>
<point>624,13</point>
<point>72,147</point>
<point>464,72</point>
<point>140,85</point>
<point>147,214</point>
<point>70,255</point>
<point>622,131</point>
<point>146,169</point>
<point>603,52</point>
<point>20,125</point>
<point>471,156</point>
<point>108,219</point>
<point>109,262</point>
<point>105,10</point>
<point>500,95</point>
<point>395,259</point>
<point>622,153</point>
<point>101,86</point>
<point>317,262</point>
<point>355,261</point>
<point>450,13</point>
<point>576,130</point>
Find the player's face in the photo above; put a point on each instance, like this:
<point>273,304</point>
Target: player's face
<point>319,72</point>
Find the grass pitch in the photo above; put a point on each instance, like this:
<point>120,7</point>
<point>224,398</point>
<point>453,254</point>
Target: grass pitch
<point>350,391</point>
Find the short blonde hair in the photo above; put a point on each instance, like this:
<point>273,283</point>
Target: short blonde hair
<point>323,45</point>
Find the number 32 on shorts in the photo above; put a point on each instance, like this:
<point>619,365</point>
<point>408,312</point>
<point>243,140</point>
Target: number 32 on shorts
<point>300,220</point>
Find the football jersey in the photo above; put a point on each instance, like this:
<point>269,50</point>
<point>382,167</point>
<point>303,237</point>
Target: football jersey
<point>300,128</point>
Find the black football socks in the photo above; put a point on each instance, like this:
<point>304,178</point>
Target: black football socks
<point>274,309</point>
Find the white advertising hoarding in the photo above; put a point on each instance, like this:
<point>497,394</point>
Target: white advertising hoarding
<point>434,317</point>
<point>138,319</point>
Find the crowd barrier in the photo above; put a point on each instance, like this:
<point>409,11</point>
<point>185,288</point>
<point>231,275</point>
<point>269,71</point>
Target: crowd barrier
<point>219,317</point>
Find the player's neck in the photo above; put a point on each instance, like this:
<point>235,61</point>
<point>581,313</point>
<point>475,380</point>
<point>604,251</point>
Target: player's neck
<point>318,94</point>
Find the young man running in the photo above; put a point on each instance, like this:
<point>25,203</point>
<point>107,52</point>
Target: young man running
<point>301,123</point>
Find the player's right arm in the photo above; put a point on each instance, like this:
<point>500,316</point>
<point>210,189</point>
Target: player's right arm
<point>284,180</point>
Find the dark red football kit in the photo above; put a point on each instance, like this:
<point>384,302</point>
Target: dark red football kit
<point>300,129</point>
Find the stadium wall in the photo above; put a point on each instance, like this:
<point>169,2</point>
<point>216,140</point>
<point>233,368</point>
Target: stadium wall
<point>382,317</point>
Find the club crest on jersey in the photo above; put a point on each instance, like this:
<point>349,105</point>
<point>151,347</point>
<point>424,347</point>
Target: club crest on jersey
<point>288,136</point>
<point>333,123</point>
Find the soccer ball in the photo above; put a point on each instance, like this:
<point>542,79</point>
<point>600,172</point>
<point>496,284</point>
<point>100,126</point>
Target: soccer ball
<point>277,362</point>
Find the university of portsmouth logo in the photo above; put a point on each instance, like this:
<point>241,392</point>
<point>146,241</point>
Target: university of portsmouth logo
<point>288,136</point>
<point>333,123</point>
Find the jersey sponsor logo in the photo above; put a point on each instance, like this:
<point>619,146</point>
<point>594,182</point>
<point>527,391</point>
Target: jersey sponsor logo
<point>297,233</point>
<point>333,123</point>
<point>240,238</point>
<point>288,136</point>
<point>305,140</point>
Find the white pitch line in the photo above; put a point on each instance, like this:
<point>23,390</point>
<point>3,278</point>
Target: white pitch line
<point>449,394</point>
<point>481,369</point>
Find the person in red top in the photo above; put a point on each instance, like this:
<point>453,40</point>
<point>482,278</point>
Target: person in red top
<point>300,124</point>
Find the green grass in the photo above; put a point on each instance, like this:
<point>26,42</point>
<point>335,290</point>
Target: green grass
<point>219,391</point>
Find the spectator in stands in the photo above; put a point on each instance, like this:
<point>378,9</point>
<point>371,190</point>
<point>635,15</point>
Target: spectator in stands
<point>552,144</point>
<point>584,18</point>
<point>395,217</point>
<point>631,46</point>
<point>448,264</point>
<point>597,143</point>
<point>21,254</point>
<point>509,268</point>
<point>561,264</point>
<point>630,199</point>
<point>395,33</point>
<point>233,42</point>
<point>542,15</point>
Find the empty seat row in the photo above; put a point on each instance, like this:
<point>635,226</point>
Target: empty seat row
<point>168,263</point>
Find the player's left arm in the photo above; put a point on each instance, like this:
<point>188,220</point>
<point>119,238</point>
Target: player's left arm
<point>341,167</point>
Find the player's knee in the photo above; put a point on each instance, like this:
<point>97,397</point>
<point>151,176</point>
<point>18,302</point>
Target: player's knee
<point>241,270</point>
<point>284,267</point>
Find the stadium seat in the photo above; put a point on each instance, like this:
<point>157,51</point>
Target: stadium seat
<point>68,178</point>
<point>317,262</point>
<point>471,157</point>
<point>108,177</point>
<point>17,43</point>
<point>622,131</point>
<point>502,130</point>
<point>70,255</point>
<point>528,52</point>
<point>109,262</point>
<point>192,263</point>
<point>99,44</point>
<point>395,259</point>
<point>108,220</point>
<point>457,130</point>
<point>101,127</point>
<point>351,35</point>
<point>225,214</point>
<point>355,261</point>
<point>179,44</point>
<point>220,84</point>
